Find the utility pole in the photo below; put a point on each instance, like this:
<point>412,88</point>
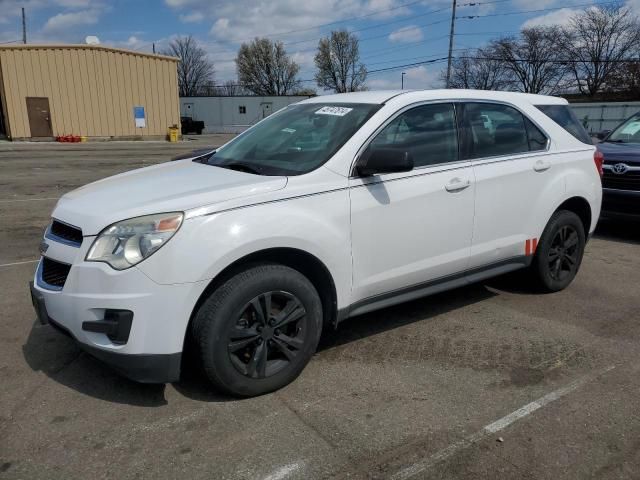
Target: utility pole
<point>402,82</point>
<point>24,27</point>
<point>451,34</point>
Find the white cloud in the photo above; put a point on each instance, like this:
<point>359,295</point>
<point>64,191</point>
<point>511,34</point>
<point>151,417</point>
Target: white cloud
<point>558,17</point>
<point>62,22</point>
<point>73,3</point>
<point>414,78</point>
<point>410,33</point>
<point>193,17</point>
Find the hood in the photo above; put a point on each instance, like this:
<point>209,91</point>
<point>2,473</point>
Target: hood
<point>623,152</point>
<point>168,187</point>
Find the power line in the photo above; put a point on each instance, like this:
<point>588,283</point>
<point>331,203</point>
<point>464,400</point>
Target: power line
<point>592,4</point>
<point>557,60</point>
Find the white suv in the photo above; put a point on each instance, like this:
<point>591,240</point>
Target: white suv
<point>330,208</point>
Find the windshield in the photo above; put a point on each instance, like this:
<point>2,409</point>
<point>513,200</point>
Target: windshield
<point>628,132</point>
<point>295,140</point>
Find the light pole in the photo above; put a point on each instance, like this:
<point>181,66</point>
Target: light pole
<point>402,81</point>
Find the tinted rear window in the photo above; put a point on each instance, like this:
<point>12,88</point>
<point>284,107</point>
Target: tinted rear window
<point>564,116</point>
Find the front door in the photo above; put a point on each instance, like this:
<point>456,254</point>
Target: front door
<point>266,109</point>
<point>39,116</point>
<point>414,228</point>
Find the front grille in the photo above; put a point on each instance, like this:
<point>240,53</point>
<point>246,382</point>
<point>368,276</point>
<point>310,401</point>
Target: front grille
<point>66,232</point>
<point>54,273</point>
<point>629,180</point>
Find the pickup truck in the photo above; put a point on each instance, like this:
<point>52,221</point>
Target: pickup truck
<point>189,125</point>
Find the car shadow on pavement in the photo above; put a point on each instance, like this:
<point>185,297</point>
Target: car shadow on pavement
<point>59,358</point>
<point>618,231</point>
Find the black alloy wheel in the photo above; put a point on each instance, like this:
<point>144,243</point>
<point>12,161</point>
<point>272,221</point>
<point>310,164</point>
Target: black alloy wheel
<point>257,330</point>
<point>268,335</point>
<point>563,254</point>
<point>559,253</point>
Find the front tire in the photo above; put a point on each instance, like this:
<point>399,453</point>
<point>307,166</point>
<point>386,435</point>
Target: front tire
<point>560,251</point>
<point>258,330</point>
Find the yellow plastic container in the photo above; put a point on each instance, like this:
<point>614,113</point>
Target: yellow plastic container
<point>173,134</point>
<point>83,138</point>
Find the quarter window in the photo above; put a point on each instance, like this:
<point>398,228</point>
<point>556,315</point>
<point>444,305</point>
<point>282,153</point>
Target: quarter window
<point>427,132</point>
<point>564,116</point>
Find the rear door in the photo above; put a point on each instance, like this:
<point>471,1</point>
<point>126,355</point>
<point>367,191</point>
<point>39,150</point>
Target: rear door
<point>412,229</point>
<point>513,172</point>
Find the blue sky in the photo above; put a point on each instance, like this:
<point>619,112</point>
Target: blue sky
<point>392,32</point>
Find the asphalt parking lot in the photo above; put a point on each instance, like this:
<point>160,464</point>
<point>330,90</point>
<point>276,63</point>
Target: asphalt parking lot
<point>487,381</point>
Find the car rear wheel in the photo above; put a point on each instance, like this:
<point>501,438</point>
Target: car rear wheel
<point>559,253</point>
<point>258,330</point>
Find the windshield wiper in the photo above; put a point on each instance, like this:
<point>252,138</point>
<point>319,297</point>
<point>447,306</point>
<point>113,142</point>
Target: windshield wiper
<point>615,141</point>
<point>240,167</point>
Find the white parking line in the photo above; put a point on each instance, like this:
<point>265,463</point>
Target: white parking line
<point>18,263</point>
<point>283,472</point>
<point>500,424</point>
<point>28,200</point>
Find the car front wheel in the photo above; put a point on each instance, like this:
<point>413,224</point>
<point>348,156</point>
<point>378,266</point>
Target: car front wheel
<point>258,330</point>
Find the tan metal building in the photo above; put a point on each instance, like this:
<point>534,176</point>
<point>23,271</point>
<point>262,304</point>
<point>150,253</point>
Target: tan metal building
<point>86,90</point>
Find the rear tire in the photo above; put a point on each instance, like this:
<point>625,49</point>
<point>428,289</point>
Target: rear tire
<point>258,330</point>
<point>559,252</point>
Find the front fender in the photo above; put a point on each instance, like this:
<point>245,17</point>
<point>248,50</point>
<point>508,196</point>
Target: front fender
<point>317,224</point>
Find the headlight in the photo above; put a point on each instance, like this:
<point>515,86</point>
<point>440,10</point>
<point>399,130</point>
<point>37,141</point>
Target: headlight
<point>124,244</point>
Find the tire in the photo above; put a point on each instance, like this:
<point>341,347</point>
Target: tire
<point>245,354</point>
<point>559,252</point>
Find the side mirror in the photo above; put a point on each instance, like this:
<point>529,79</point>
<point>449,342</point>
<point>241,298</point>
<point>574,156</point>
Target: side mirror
<point>603,134</point>
<point>384,160</point>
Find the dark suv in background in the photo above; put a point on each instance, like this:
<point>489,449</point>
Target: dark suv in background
<point>621,179</point>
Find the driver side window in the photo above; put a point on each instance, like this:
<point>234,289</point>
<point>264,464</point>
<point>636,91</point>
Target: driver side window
<point>427,132</point>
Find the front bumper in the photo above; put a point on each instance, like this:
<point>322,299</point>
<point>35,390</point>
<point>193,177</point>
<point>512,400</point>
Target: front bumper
<point>145,368</point>
<point>620,204</point>
<point>89,306</point>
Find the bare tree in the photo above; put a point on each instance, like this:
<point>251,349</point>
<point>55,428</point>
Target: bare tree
<point>338,63</point>
<point>597,41</point>
<point>264,68</point>
<point>195,70</point>
<point>532,59</point>
<point>626,79</point>
<point>480,70</point>
<point>230,88</point>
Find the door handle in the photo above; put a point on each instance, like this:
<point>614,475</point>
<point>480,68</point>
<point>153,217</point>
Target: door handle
<point>457,184</point>
<point>542,165</point>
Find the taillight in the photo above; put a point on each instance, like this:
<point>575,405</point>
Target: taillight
<point>598,159</point>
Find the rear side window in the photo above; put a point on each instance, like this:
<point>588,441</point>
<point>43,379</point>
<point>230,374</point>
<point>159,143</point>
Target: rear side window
<point>492,130</point>
<point>564,116</point>
<point>428,132</point>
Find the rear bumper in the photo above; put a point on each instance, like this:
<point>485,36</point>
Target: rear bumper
<point>620,204</point>
<point>145,368</point>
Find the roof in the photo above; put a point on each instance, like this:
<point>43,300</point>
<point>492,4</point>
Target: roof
<point>62,46</point>
<point>382,96</point>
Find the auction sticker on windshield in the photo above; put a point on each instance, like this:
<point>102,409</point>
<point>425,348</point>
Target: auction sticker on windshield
<point>337,111</point>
